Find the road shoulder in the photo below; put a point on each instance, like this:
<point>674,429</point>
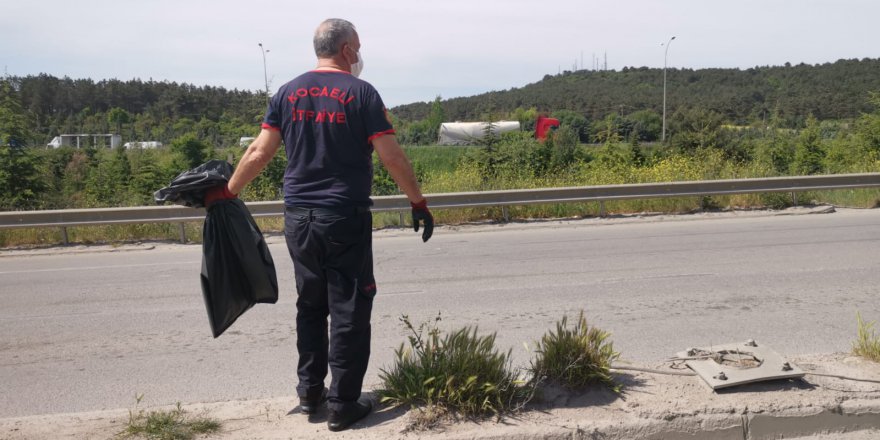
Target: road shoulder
<point>652,406</point>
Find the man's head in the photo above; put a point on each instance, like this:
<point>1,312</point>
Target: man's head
<point>337,40</point>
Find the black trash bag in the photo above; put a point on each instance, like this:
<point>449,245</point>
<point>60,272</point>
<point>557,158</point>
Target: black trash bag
<point>237,268</point>
<point>188,188</point>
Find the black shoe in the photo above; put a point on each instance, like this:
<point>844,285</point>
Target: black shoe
<point>339,420</point>
<point>310,404</point>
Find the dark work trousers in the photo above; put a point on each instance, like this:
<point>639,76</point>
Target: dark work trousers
<point>332,252</point>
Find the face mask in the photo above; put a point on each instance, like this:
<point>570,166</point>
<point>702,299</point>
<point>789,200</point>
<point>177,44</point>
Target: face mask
<point>358,67</point>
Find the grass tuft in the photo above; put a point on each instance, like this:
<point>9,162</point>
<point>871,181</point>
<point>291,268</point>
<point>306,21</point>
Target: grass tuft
<point>167,425</point>
<point>868,343</point>
<point>575,357</point>
<point>458,373</point>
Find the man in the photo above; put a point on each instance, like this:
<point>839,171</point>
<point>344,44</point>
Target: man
<point>330,122</point>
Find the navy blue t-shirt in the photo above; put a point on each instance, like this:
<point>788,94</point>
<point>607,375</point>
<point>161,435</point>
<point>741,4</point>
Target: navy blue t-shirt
<point>328,120</point>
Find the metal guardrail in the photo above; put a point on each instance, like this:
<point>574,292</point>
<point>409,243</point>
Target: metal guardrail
<point>178,214</point>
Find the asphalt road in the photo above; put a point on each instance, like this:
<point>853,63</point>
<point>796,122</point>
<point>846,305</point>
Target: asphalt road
<point>89,331</point>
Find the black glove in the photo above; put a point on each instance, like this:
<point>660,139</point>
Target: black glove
<point>420,212</point>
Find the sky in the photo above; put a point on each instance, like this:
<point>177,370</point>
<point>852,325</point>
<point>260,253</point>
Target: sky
<point>416,50</point>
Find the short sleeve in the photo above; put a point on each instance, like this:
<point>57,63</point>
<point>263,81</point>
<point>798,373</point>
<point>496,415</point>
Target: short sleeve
<point>272,120</point>
<point>376,117</point>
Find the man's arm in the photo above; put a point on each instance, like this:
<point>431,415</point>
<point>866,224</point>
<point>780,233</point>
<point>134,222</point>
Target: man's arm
<point>259,153</point>
<point>397,164</point>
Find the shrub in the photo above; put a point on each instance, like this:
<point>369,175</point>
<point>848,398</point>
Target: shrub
<point>383,183</point>
<point>167,425</point>
<point>575,357</point>
<point>459,372</point>
<point>776,200</point>
<point>868,343</point>
<point>268,184</point>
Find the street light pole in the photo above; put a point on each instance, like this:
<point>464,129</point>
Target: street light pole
<point>265,74</point>
<point>665,56</point>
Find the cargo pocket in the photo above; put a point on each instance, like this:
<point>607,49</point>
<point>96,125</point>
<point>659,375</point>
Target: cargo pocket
<point>367,288</point>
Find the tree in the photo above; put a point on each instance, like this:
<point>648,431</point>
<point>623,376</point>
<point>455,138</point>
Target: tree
<point>868,125</point>
<point>147,175</point>
<point>54,161</point>
<point>20,179</point>
<point>809,154</point>
<point>117,116</point>
<point>107,184</point>
<point>646,125</point>
<point>607,131</point>
<point>73,183</point>
<point>576,121</point>
<point>191,152</point>
<point>526,118</point>
<point>564,142</point>
<point>435,119</point>
<point>13,119</point>
<point>693,129</point>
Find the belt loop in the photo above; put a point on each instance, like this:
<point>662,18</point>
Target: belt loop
<point>311,215</point>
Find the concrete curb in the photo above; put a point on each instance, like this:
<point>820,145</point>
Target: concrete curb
<point>848,416</point>
<point>787,423</point>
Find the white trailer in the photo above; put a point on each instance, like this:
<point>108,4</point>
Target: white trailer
<point>143,144</point>
<point>469,133</point>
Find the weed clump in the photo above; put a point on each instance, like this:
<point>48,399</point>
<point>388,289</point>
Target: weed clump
<point>868,343</point>
<point>460,372</point>
<point>167,425</point>
<point>575,357</point>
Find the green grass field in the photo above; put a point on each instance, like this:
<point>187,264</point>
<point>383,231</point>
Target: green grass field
<point>436,158</point>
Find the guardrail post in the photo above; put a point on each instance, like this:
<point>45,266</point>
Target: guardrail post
<point>64,239</point>
<point>794,198</point>
<point>400,214</point>
<point>182,228</point>
<point>601,209</point>
<point>505,213</point>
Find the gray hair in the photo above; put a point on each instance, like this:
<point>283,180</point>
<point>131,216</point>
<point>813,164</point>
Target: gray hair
<point>330,36</point>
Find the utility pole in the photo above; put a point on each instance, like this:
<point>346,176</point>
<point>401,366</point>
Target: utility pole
<point>265,74</point>
<point>665,56</point>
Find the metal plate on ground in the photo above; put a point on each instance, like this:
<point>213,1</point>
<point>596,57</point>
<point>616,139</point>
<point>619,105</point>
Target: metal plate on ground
<point>729,365</point>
